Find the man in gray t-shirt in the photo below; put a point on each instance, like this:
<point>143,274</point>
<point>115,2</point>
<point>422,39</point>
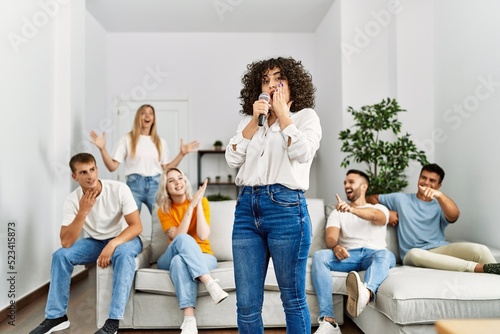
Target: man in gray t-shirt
<point>421,220</point>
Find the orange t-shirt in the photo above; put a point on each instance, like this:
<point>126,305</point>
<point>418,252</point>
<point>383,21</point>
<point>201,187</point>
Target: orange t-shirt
<point>174,217</point>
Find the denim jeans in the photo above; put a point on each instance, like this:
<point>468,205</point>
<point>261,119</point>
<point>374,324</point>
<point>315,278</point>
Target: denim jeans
<point>85,251</point>
<point>144,189</point>
<point>185,261</point>
<point>271,221</point>
<point>376,262</point>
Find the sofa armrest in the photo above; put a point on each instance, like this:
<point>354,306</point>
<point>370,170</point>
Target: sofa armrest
<point>104,284</point>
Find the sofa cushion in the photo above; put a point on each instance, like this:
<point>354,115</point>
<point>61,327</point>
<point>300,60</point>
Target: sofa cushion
<point>221,224</point>
<point>153,280</point>
<point>316,208</point>
<point>411,295</point>
<point>159,241</point>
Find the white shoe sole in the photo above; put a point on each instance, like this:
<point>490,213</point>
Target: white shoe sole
<point>352,285</point>
<point>221,297</point>
<point>60,327</point>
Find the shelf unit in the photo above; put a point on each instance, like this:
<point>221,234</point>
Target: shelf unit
<point>212,183</point>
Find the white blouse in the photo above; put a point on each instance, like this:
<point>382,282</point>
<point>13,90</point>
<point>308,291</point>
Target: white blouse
<point>267,158</point>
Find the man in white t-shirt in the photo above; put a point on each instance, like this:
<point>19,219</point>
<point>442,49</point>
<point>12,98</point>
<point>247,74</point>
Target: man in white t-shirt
<point>356,239</point>
<point>107,212</point>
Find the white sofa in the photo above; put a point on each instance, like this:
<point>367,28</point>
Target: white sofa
<point>153,303</point>
<point>410,300</point>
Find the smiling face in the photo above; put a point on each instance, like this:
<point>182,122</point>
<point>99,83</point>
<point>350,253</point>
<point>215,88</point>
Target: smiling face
<point>176,185</point>
<point>86,175</point>
<point>428,179</point>
<point>354,186</point>
<point>270,81</point>
<point>147,118</point>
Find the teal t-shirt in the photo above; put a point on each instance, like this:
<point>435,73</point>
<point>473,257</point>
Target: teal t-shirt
<point>421,224</point>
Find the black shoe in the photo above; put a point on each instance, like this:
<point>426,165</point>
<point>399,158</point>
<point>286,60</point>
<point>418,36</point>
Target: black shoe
<point>110,327</point>
<point>52,325</point>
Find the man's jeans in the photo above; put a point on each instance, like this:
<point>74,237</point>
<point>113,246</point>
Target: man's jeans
<point>85,251</point>
<point>144,189</point>
<point>185,261</point>
<point>376,262</point>
<point>271,221</point>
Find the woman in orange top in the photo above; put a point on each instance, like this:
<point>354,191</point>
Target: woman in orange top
<point>185,218</point>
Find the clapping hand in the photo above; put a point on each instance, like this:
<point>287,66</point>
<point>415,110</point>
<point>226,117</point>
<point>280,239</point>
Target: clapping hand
<point>200,193</point>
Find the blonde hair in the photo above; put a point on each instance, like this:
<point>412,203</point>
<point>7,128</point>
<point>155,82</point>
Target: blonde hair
<point>135,134</point>
<point>163,198</point>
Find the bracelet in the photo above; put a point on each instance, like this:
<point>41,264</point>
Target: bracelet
<point>333,248</point>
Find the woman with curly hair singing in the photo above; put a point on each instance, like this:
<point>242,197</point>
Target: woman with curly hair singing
<point>271,217</point>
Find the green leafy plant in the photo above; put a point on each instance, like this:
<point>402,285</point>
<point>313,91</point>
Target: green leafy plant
<point>218,197</point>
<point>386,160</point>
<point>218,145</point>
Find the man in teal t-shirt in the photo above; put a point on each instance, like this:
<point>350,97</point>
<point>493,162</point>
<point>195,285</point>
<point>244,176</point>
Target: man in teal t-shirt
<point>421,220</point>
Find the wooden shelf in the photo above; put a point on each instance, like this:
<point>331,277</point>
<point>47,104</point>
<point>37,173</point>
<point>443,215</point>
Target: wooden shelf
<point>221,153</point>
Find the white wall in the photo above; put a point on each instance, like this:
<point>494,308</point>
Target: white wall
<point>467,52</point>
<point>328,80</point>
<point>98,116</point>
<point>41,102</point>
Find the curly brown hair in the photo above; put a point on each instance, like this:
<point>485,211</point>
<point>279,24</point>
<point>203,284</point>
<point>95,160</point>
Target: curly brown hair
<point>299,82</point>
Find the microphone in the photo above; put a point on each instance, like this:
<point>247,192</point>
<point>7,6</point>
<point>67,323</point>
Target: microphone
<point>263,96</point>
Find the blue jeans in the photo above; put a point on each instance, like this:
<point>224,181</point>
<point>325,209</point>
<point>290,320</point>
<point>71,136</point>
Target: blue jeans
<point>144,189</point>
<point>376,262</point>
<point>185,261</point>
<point>271,221</point>
<point>85,251</point>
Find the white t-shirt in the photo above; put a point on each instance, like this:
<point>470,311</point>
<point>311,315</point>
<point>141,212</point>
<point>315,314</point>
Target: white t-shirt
<point>145,161</point>
<point>356,232</point>
<point>267,158</point>
<point>106,218</point>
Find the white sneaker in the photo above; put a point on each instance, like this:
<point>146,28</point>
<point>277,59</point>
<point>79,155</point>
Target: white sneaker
<point>358,295</point>
<point>189,326</point>
<point>216,291</point>
<point>326,327</point>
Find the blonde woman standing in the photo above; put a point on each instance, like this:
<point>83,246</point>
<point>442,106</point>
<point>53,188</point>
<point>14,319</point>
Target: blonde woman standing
<point>145,155</point>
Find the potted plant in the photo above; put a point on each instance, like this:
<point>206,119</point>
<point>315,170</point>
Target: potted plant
<point>218,197</point>
<point>217,145</point>
<point>386,160</point>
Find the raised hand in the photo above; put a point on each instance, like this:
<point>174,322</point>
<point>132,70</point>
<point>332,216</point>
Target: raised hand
<point>429,193</point>
<point>189,147</point>
<point>87,201</point>
<point>280,105</point>
<point>100,142</point>
<point>200,193</point>
<point>342,206</point>
<point>260,107</point>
